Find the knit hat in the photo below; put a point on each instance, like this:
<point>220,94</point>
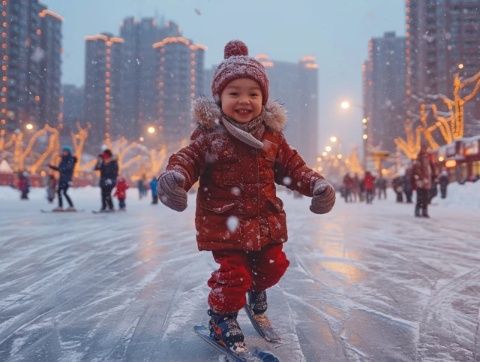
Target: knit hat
<point>67,148</point>
<point>238,64</point>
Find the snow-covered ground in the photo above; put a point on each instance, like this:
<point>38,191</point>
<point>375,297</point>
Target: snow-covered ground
<point>366,282</point>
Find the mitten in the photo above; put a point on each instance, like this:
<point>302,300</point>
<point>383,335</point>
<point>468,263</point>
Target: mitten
<point>170,190</point>
<point>323,197</point>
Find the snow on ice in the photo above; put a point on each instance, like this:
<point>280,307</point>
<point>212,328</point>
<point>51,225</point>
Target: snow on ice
<point>366,282</point>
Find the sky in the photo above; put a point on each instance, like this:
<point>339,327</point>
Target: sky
<point>335,32</point>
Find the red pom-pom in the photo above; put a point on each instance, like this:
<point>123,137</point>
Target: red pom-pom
<point>235,48</point>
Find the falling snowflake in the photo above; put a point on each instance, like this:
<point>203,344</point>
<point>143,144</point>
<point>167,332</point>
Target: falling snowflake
<point>287,181</point>
<point>235,191</point>
<point>232,223</point>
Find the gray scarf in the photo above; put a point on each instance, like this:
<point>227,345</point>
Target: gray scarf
<point>249,133</point>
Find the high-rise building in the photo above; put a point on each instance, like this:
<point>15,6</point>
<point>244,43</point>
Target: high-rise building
<point>104,86</point>
<point>443,38</point>
<point>384,90</point>
<point>295,85</point>
<point>21,53</point>
<point>139,78</point>
<point>179,81</point>
<point>50,60</point>
<point>72,106</point>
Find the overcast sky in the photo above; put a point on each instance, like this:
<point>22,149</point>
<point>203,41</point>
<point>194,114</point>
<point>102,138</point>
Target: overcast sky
<point>335,32</point>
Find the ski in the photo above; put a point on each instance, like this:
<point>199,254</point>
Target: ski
<point>250,356</point>
<point>60,211</point>
<point>262,325</point>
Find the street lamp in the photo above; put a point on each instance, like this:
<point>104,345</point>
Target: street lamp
<point>345,105</point>
<point>151,130</point>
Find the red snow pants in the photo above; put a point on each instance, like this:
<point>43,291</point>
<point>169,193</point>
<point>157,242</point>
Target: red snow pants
<point>240,271</point>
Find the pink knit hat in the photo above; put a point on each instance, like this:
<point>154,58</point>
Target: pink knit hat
<point>238,64</point>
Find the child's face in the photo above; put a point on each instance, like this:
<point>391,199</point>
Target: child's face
<point>242,100</point>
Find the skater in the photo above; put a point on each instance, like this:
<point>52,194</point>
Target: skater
<point>153,189</point>
<point>23,185</point>
<point>141,187</point>
<point>51,187</point>
<point>108,166</point>
<point>381,186</point>
<point>408,185</point>
<point>65,168</point>
<point>397,184</point>
<point>369,187</point>
<point>238,152</point>
<point>121,193</point>
<point>443,182</point>
<point>423,173</point>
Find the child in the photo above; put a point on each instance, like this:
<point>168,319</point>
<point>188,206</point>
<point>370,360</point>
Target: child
<point>51,187</point>
<point>238,152</point>
<point>121,193</point>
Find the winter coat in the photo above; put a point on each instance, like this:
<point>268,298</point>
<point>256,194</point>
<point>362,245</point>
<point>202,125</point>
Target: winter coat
<point>237,206</point>
<point>153,185</point>
<point>369,182</point>
<point>108,171</point>
<point>423,171</point>
<point>121,189</point>
<point>65,168</point>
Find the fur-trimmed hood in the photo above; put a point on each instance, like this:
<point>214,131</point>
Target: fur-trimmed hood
<point>207,114</point>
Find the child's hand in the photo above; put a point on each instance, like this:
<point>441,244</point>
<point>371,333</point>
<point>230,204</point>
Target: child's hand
<point>323,197</point>
<point>170,190</point>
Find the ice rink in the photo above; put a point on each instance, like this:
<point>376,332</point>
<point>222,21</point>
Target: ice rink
<point>366,282</point>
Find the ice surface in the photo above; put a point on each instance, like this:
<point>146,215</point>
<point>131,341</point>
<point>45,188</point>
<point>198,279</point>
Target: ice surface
<point>366,282</point>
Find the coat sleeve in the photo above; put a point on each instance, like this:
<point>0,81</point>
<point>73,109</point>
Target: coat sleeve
<point>292,172</point>
<point>190,160</point>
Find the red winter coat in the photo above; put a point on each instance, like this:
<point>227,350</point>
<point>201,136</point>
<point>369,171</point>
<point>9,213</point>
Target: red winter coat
<point>369,182</point>
<point>121,189</point>
<point>237,206</point>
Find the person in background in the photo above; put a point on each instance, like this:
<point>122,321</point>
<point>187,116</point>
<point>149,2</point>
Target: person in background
<point>381,185</point>
<point>23,185</point>
<point>51,187</point>
<point>423,174</point>
<point>121,192</point>
<point>141,187</point>
<point>153,189</point>
<point>408,185</point>
<point>397,185</point>
<point>443,180</point>
<point>107,164</point>
<point>65,169</point>
<point>369,186</point>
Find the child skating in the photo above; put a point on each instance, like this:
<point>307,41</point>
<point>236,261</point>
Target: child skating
<point>238,152</point>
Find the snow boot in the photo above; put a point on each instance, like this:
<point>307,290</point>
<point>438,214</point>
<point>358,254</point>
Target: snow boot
<point>417,212</point>
<point>258,301</point>
<point>58,209</point>
<point>225,329</point>
<point>425,213</point>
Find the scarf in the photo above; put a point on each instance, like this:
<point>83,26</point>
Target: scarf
<point>249,133</point>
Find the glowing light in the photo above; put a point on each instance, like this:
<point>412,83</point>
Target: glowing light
<point>441,159</point>
<point>450,163</point>
<point>339,156</point>
<point>29,126</point>
<point>141,139</point>
<point>333,139</point>
<point>328,148</point>
<point>364,121</point>
<point>345,105</point>
<point>324,154</point>
<point>365,136</point>
<point>151,130</point>
<point>460,66</point>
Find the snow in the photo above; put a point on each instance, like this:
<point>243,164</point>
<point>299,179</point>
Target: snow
<point>365,282</point>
